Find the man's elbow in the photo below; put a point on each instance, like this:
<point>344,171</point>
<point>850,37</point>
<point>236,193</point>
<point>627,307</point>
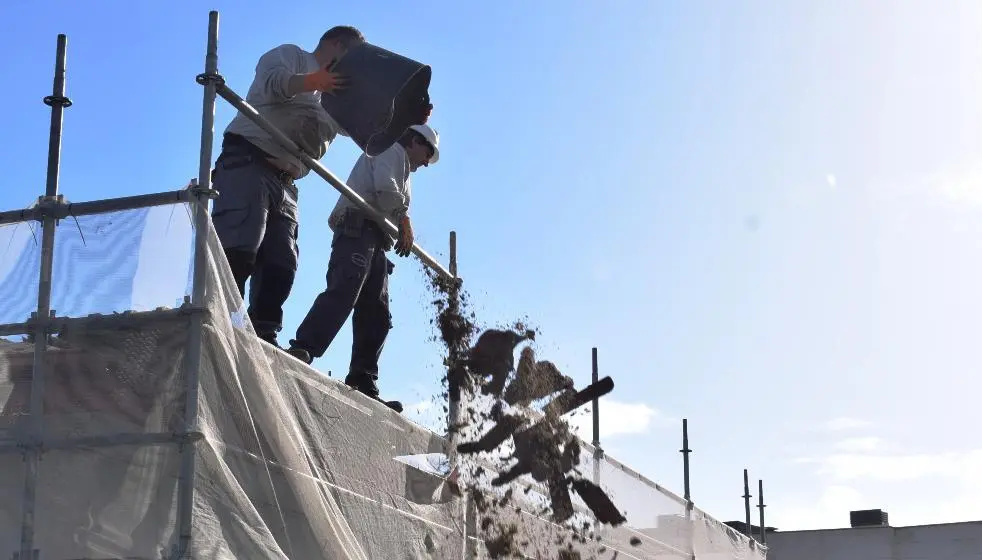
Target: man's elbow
<point>295,83</point>
<point>279,85</point>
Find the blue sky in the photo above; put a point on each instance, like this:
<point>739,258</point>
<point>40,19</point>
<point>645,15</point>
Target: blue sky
<point>765,215</point>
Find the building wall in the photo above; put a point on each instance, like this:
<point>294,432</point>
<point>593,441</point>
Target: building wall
<point>952,541</point>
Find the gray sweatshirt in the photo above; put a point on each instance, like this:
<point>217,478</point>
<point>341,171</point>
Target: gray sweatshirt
<point>301,117</point>
<point>383,181</point>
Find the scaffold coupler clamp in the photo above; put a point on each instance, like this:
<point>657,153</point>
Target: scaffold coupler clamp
<point>59,100</point>
<point>598,451</point>
<point>210,77</point>
<point>198,192</point>
<point>53,206</point>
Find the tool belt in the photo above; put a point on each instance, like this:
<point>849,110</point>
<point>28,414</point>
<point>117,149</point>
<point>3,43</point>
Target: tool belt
<point>235,143</point>
<point>355,223</point>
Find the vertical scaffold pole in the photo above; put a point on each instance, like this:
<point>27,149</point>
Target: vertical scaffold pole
<point>453,401</point>
<point>192,356</point>
<point>598,452</point>
<point>453,420</point>
<point>687,490</point>
<point>761,506</point>
<point>453,406</point>
<point>685,460</point>
<point>746,502</point>
<point>595,369</point>
<point>58,103</point>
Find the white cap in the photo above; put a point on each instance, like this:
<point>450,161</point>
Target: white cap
<point>432,136</point>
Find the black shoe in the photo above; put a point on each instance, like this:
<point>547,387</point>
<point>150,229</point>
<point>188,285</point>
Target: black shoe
<point>366,386</point>
<point>269,337</point>
<point>301,354</point>
<point>394,405</point>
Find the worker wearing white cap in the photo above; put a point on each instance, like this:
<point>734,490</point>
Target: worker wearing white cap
<point>358,271</point>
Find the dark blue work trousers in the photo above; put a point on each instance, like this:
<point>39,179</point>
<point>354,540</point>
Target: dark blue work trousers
<point>357,280</point>
<point>255,218</point>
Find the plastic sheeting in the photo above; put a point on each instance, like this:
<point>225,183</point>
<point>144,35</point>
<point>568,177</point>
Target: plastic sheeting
<point>288,463</point>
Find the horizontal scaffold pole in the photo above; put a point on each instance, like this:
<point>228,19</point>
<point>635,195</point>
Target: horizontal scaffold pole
<point>60,210</point>
<point>127,320</point>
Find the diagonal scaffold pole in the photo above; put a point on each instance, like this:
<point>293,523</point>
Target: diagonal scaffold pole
<point>283,140</point>
<point>192,356</point>
<point>58,102</point>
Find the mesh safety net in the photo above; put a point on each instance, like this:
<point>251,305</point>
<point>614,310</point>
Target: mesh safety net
<point>285,463</point>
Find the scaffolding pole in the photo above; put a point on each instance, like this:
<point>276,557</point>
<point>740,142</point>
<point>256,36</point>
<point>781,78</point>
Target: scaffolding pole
<point>453,392</point>
<point>746,502</point>
<point>761,506</point>
<point>59,209</point>
<point>126,320</point>
<point>685,461</point>
<point>58,102</point>
<point>108,440</point>
<point>686,489</point>
<point>598,452</point>
<point>192,356</point>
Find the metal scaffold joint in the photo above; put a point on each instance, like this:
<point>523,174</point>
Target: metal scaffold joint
<point>52,206</point>
<point>40,326</point>
<point>210,77</point>
<point>201,192</point>
<point>187,438</point>
<point>59,100</point>
<point>31,444</point>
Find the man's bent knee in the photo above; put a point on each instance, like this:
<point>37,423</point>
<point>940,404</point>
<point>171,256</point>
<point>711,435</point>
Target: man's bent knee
<point>348,270</point>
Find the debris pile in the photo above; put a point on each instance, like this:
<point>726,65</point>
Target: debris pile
<point>545,448</point>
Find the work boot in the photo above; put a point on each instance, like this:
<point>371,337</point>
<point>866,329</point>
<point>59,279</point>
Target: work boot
<point>365,384</point>
<point>300,354</point>
<point>268,336</point>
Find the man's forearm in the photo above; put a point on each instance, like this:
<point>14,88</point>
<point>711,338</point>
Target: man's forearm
<point>392,205</point>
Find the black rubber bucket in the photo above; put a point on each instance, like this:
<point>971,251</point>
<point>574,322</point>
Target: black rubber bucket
<point>386,93</point>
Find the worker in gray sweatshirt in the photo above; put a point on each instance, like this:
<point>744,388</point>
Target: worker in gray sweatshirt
<point>358,270</point>
<point>255,214</point>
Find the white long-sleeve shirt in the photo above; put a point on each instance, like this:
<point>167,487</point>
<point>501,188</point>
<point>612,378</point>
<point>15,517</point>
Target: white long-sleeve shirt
<point>383,181</point>
<point>301,117</point>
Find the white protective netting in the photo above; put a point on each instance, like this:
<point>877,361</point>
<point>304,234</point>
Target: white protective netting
<point>290,464</point>
<point>657,525</point>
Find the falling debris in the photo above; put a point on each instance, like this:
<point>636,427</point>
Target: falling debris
<point>502,430</point>
<point>503,544</point>
<point>569,554</point>
<point>545,448</point>
<point>598,502</point>
<point>456,331</point>
<point>535,380</point>
<point>494,356</point>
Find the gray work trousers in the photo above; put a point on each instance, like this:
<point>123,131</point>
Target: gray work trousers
<point>255,217</point>
<point>357,280</point>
